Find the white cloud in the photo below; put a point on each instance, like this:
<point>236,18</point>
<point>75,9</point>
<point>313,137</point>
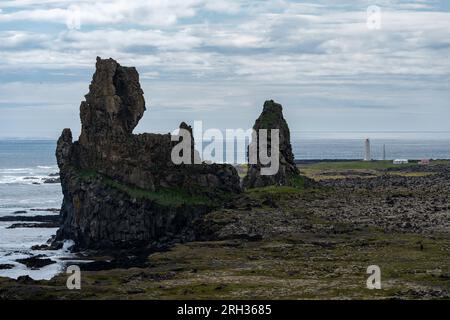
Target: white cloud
<point>232,45</point>
<point>155,12</point>
<point>284,46</point>
<point>15,39</point>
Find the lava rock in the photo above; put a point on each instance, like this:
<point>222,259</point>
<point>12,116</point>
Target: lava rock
<point>272,118</point>
<point>34,225</point>
<point>36,262</point>
<point>52,180</point>
<point>108,160</point>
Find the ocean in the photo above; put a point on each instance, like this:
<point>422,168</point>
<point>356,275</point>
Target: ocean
<point>25,164</point>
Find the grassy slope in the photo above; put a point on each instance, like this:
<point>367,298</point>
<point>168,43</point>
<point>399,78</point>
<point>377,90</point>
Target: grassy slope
<point>164,196</point>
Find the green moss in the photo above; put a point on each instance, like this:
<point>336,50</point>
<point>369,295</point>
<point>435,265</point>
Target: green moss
<point>87,174</point>
<point>348,165</point>
<point>297,184</point>
<point>164,196</point>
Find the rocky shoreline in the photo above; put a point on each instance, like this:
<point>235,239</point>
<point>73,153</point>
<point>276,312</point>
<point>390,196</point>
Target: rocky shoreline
<point>154,229</point>
<point>289,242</point>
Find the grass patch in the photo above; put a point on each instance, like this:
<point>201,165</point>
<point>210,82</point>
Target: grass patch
<point>297,184</point>
<point>349,165</point>
<point>164,196</point>
<point>273,190</point>
<point>412,174</point>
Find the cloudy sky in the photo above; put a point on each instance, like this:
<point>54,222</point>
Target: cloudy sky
<point>218,60</point>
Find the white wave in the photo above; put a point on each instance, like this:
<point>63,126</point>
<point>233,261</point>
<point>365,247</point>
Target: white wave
<point>46,167</point>
<point>25,179</point>
<point>16,244</point>
<point>15,169</point>
<point>30,170</point>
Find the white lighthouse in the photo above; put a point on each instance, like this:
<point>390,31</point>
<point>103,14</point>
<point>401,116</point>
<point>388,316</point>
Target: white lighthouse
<point>367,153</point>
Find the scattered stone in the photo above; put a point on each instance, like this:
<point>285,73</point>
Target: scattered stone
<point>51,246</point>
<point>6,266</point>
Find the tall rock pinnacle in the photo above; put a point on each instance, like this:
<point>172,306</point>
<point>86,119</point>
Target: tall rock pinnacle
<point>272,118</point>
<point>115,102</point>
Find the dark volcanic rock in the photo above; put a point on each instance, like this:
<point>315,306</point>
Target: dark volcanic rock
<point>272,118</point>
<point>6,266</point>
<point>47,218</point>
<point>52,180</point>
<point>34,225</point>
<point>19,212</point>
<point>122,189</point>
<point>56,210</point>
<point>36,262</point>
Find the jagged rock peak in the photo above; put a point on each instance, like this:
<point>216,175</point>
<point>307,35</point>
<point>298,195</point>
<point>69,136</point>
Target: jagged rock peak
<point>272,118</point>
<point>273,107</point>
<point>123,189</point>
<point>115,102</point>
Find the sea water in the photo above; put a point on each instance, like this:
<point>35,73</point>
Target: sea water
<point>24,165</point>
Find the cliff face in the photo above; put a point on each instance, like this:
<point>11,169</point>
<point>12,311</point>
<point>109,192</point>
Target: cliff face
<point>120,188</point>
<point>272,118</point>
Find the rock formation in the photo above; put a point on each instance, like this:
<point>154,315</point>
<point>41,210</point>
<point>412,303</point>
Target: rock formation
<point>120,188</point>
<point>272,118</point>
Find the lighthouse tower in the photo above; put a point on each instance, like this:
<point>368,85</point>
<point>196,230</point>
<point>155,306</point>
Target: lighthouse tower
<point>367,153</point>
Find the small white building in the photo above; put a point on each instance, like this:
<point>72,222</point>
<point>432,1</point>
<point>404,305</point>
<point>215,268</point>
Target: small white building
<point>401,161</point>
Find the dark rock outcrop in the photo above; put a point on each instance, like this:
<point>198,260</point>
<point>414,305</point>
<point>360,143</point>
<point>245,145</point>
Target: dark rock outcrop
<point>36,262</point>
<point>52,180</point>
<point>272,118</point>
<point>122,189</point>
<point>41,218</point>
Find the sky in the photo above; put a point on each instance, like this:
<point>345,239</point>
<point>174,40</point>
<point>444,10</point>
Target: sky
<point>331,67</point>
